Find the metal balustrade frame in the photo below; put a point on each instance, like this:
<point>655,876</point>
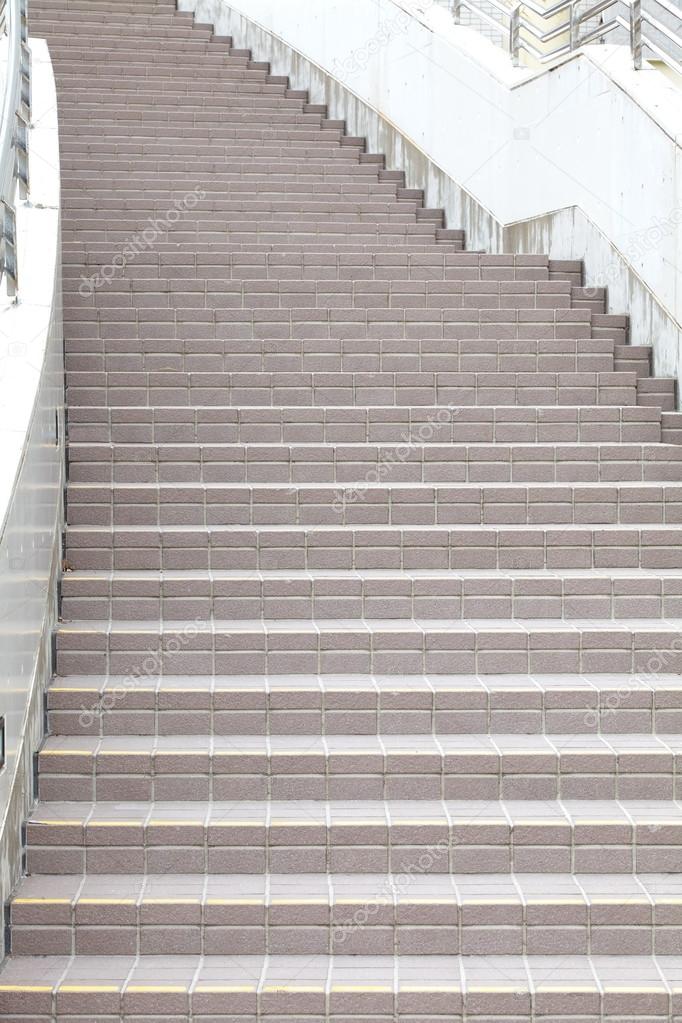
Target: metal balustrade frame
<point>520,25</point>
<point>16,114</point>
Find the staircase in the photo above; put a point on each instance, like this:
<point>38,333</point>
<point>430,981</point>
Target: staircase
<point>368,699</point>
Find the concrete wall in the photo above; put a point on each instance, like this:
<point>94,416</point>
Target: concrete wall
<point>581,161</point>
<point>31,471</point>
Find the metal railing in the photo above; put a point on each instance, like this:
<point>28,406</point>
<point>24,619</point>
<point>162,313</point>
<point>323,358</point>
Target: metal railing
<point>547,33</point>
<point>16,113</point>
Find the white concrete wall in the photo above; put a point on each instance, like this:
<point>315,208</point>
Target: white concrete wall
<point>31,470</point>
<point>582,161</point>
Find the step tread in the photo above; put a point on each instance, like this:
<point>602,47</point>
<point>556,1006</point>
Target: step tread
<point>431,685</point>
<point>650,815</point>
<point>417,626</point>
<point>374,575</point>
<point>621,746</point>
<point>331,889</point>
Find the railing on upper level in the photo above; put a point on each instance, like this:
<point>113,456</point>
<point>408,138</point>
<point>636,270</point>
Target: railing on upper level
<point>16,111</point>
<point>547,32</point>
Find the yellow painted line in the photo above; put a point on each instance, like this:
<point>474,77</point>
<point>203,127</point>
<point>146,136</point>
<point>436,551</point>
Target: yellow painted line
<point>301,902</point>
<point>69,824</point>
<point>46,901</point>
<point>633,989</point>
<point>124,753</point>
<point>425,821</point>
<point>237,824</point>
<point>89,989</point>
<point>497,989</point>
<point>600,820</point>
<point>171,902</point>
<point>570,988</point>
<point>538,900</point>
<point>114,824</point>
<point>604,900</point>
<point>176,824</point>
<point>364,902</point>
<point>175,753</point>
<point>362,988</point>
<point>236,902</point>
<point>237,753</point>
<point>66,753</point>
<point>223,989</point>
<point>550,823</point>
<point>303,753</point>
<point>298,824</point>
<point>71,689</point>
<point>26,988</point>
<point>106,902</point>
<point>157,989</point>
<point>492,902</point>
<point>295,988</point>
<point>449,900</point>
<point>424,989</point>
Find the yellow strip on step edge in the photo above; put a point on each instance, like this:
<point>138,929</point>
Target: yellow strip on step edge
<point>295,989</point>
<point>46,901</point>
<point>27,988</point>
<point>157,989</point>
<point>224,989</point>
<point>89,989</point>
<point>362,987</point>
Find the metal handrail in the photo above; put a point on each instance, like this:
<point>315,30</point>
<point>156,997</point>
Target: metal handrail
<point>14,121</point>
<point>523,31</point>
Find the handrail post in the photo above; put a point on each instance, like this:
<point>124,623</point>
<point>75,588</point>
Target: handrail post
<point>574,27</point>
<point>515,35</point>
<point>456,11</point>
<point>636,33</point>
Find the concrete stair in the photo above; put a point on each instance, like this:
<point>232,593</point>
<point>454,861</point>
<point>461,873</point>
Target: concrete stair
<point>368,690</point>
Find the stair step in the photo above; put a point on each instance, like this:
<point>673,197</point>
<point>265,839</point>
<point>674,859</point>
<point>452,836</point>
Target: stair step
<point>375,547</point>
<point>436,463</point>
<point>339,988</point>
<point>351,768</point>
<point>312,705</point>
<point>357,914</point>
<point>302,836</point>
<point>383,646</point>
<point>352,389</point>
<point>369,503</point>
<point>233,595</point>
<point>372,424</point>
